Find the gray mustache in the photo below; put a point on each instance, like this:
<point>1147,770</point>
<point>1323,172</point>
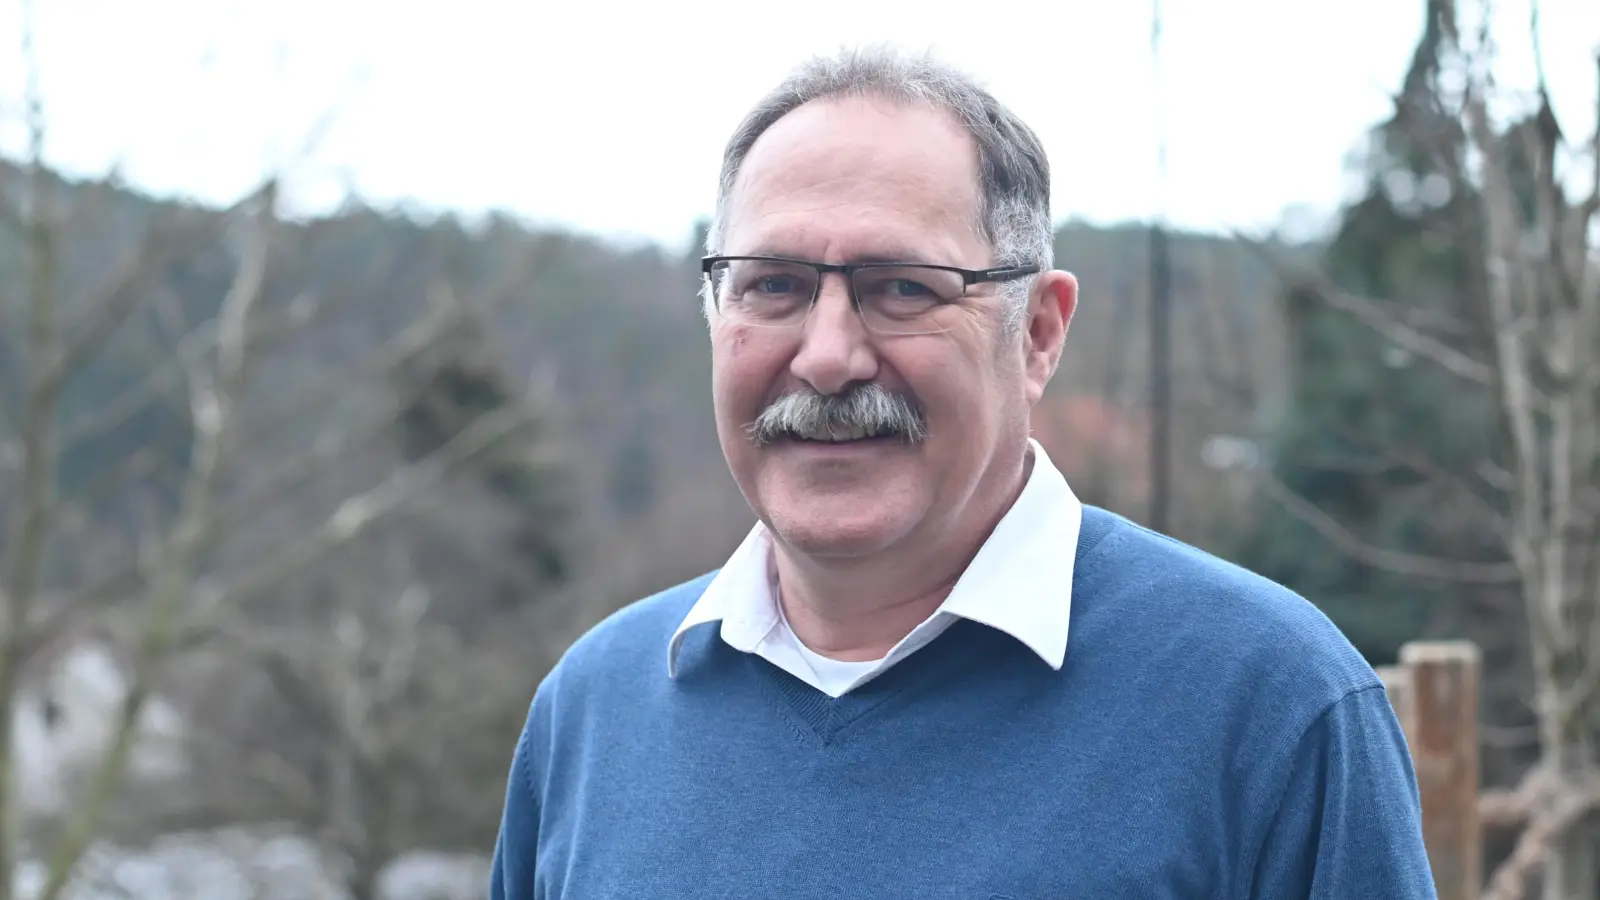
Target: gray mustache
<point>866,406</point>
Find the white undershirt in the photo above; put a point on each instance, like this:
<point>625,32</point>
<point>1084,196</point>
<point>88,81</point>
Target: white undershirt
<point>834,676</point>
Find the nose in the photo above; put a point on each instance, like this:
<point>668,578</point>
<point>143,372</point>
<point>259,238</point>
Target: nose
<point>835,349</point>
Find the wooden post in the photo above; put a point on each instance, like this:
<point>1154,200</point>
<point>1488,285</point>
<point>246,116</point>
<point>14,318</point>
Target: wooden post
<point>1438,708</point>
<point>1397,682</point>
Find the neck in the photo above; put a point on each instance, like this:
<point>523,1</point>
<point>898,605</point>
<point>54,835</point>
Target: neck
<point>859,609</point>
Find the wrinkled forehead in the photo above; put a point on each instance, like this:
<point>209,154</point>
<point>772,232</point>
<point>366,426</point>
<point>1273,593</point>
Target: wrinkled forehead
<point>859,176</point>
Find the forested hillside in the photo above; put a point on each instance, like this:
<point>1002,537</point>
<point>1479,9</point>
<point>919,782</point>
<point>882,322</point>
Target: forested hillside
<point>617,337</point>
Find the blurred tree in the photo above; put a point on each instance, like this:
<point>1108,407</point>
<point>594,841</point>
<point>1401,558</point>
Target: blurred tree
<point>1381,442</point>
<point>634,472</point>
<point>1438,467</point>
<point>446,389</point>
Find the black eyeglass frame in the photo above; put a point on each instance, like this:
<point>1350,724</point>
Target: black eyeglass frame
<point>969,277</point>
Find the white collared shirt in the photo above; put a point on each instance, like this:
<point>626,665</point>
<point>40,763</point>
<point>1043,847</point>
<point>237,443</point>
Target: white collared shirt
<point>1020,583</point>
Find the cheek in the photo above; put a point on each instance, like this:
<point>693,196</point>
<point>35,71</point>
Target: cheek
<point>728,352</point>
<point>971,387</point>
<point>942,380</point>
<point>742,367</point>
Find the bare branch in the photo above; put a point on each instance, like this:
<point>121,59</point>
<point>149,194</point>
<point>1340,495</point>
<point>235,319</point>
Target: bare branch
<point>447,311</point>
<point>1371,313</point>
<point>78,509</point>
<point>1512,808</point>
<point>296,471</point>
<point>116,298</point>
<point>359,512</point>
<point>266,770</point>
<point>1226,358</point>
<point>301,313</point>
<point>1487,513</point>
<point>29,525</point>
<point>1462,571</point>
<point>1564,808</point>
<point>1510,737</point>
<point>1538,49</point>
<point>213,416</point>
<point>398,664</point>
<point>1591,204</point>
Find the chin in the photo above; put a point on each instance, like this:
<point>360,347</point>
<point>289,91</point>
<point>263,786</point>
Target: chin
<point>841,527</point>
<point>835,540</point>
<point>844,502</point>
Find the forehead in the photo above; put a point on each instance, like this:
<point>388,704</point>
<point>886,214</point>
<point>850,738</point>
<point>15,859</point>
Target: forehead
<point>859,177</point>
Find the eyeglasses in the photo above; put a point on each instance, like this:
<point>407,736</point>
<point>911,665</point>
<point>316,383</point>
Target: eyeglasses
<point>891,298</point>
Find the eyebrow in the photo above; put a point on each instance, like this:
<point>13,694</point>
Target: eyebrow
<point>901,255</point>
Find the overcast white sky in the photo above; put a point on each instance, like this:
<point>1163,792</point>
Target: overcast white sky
<point>610,117</point>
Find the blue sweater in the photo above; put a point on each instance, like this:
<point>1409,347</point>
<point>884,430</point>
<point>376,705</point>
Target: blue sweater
<point>1210,736</point>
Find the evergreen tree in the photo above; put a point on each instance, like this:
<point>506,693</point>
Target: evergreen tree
<point>528,509</point>
<point>1382,442</point>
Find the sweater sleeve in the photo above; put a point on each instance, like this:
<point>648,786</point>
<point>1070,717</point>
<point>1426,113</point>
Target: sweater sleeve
<point>1349,822</point>
<point>512,868</point>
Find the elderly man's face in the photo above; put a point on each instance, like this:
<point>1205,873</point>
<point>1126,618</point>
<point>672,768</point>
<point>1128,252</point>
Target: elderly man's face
<point>851,180</point>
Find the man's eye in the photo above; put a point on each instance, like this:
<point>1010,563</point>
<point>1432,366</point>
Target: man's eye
<point>905,287</point>
<point>774,284</point>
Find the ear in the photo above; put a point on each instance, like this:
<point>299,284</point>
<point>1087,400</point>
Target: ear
<point>1050,307</point>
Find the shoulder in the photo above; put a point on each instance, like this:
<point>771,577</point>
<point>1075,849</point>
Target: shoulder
<point>1204,617</point>
<point>1232,671</point>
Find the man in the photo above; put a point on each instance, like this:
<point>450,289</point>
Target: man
<point>876,696</point>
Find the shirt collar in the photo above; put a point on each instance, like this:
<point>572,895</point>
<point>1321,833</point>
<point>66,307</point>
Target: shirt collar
<point>1020,582</point>
<point>740,596</point>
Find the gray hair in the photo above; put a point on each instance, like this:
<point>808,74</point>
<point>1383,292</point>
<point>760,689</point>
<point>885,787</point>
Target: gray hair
<point>1014,173</point>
